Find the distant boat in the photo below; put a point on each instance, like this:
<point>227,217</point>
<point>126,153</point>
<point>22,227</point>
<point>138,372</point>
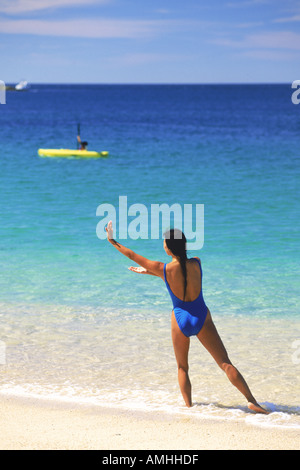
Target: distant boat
<point>71,153</point>
<point>21,86</point>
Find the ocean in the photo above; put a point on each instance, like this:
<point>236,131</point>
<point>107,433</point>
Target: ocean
<point>75,324</point>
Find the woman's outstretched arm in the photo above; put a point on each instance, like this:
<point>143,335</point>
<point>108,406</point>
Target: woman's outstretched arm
<point>155,268</point>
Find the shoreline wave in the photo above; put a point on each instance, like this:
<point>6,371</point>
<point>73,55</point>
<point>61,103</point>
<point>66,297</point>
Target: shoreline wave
<point>281,417</point>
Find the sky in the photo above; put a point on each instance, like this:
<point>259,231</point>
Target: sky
<point>150,41</point>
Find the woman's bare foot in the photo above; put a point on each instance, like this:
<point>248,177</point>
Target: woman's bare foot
<point>257,408</point>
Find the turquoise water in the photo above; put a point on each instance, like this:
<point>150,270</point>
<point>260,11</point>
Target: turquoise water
<point>75,322</point>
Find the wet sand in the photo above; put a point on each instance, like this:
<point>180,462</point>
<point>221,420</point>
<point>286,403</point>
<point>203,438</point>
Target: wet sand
<point>36,425</point>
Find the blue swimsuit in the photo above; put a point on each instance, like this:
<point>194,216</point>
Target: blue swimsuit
<point>190,316</point>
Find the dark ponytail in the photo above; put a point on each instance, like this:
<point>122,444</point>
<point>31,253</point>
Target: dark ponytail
<point>176,243</point>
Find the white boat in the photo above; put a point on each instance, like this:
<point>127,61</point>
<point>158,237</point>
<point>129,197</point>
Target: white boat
<point>23,85</point>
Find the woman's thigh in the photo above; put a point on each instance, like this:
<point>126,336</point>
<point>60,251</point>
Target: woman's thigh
<point>211,340</point>
<point>181,344</point>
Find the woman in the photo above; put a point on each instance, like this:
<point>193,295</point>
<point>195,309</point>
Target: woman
<point>190,316</point>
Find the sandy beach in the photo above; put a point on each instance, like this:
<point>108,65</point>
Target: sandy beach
<point>36,425</point>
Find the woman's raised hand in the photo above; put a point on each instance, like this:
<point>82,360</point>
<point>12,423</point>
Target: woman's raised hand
<point>109,230</point>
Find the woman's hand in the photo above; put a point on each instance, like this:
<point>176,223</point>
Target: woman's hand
<point>154,268</point>
<point>109,230</point>
<point>138,269</point>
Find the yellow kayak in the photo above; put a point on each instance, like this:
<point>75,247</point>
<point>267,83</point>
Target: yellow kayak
<point>71,153</point>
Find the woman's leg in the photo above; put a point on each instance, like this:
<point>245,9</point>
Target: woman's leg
<point>181,344</point>
<point>211,340</point>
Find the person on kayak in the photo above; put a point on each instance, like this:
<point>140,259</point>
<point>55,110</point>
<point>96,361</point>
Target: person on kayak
<point>83,145</point>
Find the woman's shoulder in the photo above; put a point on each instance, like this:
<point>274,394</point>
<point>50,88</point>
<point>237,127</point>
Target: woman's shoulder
<point>197,263</point>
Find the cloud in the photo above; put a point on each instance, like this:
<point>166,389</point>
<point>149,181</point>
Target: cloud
<point>15,7</point>
<point>246,3</point>
<point>288,19</point>
<point>267,40</point>
<point>97,27</point>
<point>276,40</point>
<point>145,58</point>
<point>88,28</point>
<point>274,55</point>
<point>249,24</point>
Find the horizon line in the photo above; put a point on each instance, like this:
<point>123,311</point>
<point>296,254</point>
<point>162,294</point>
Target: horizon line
<point>154,83</point>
